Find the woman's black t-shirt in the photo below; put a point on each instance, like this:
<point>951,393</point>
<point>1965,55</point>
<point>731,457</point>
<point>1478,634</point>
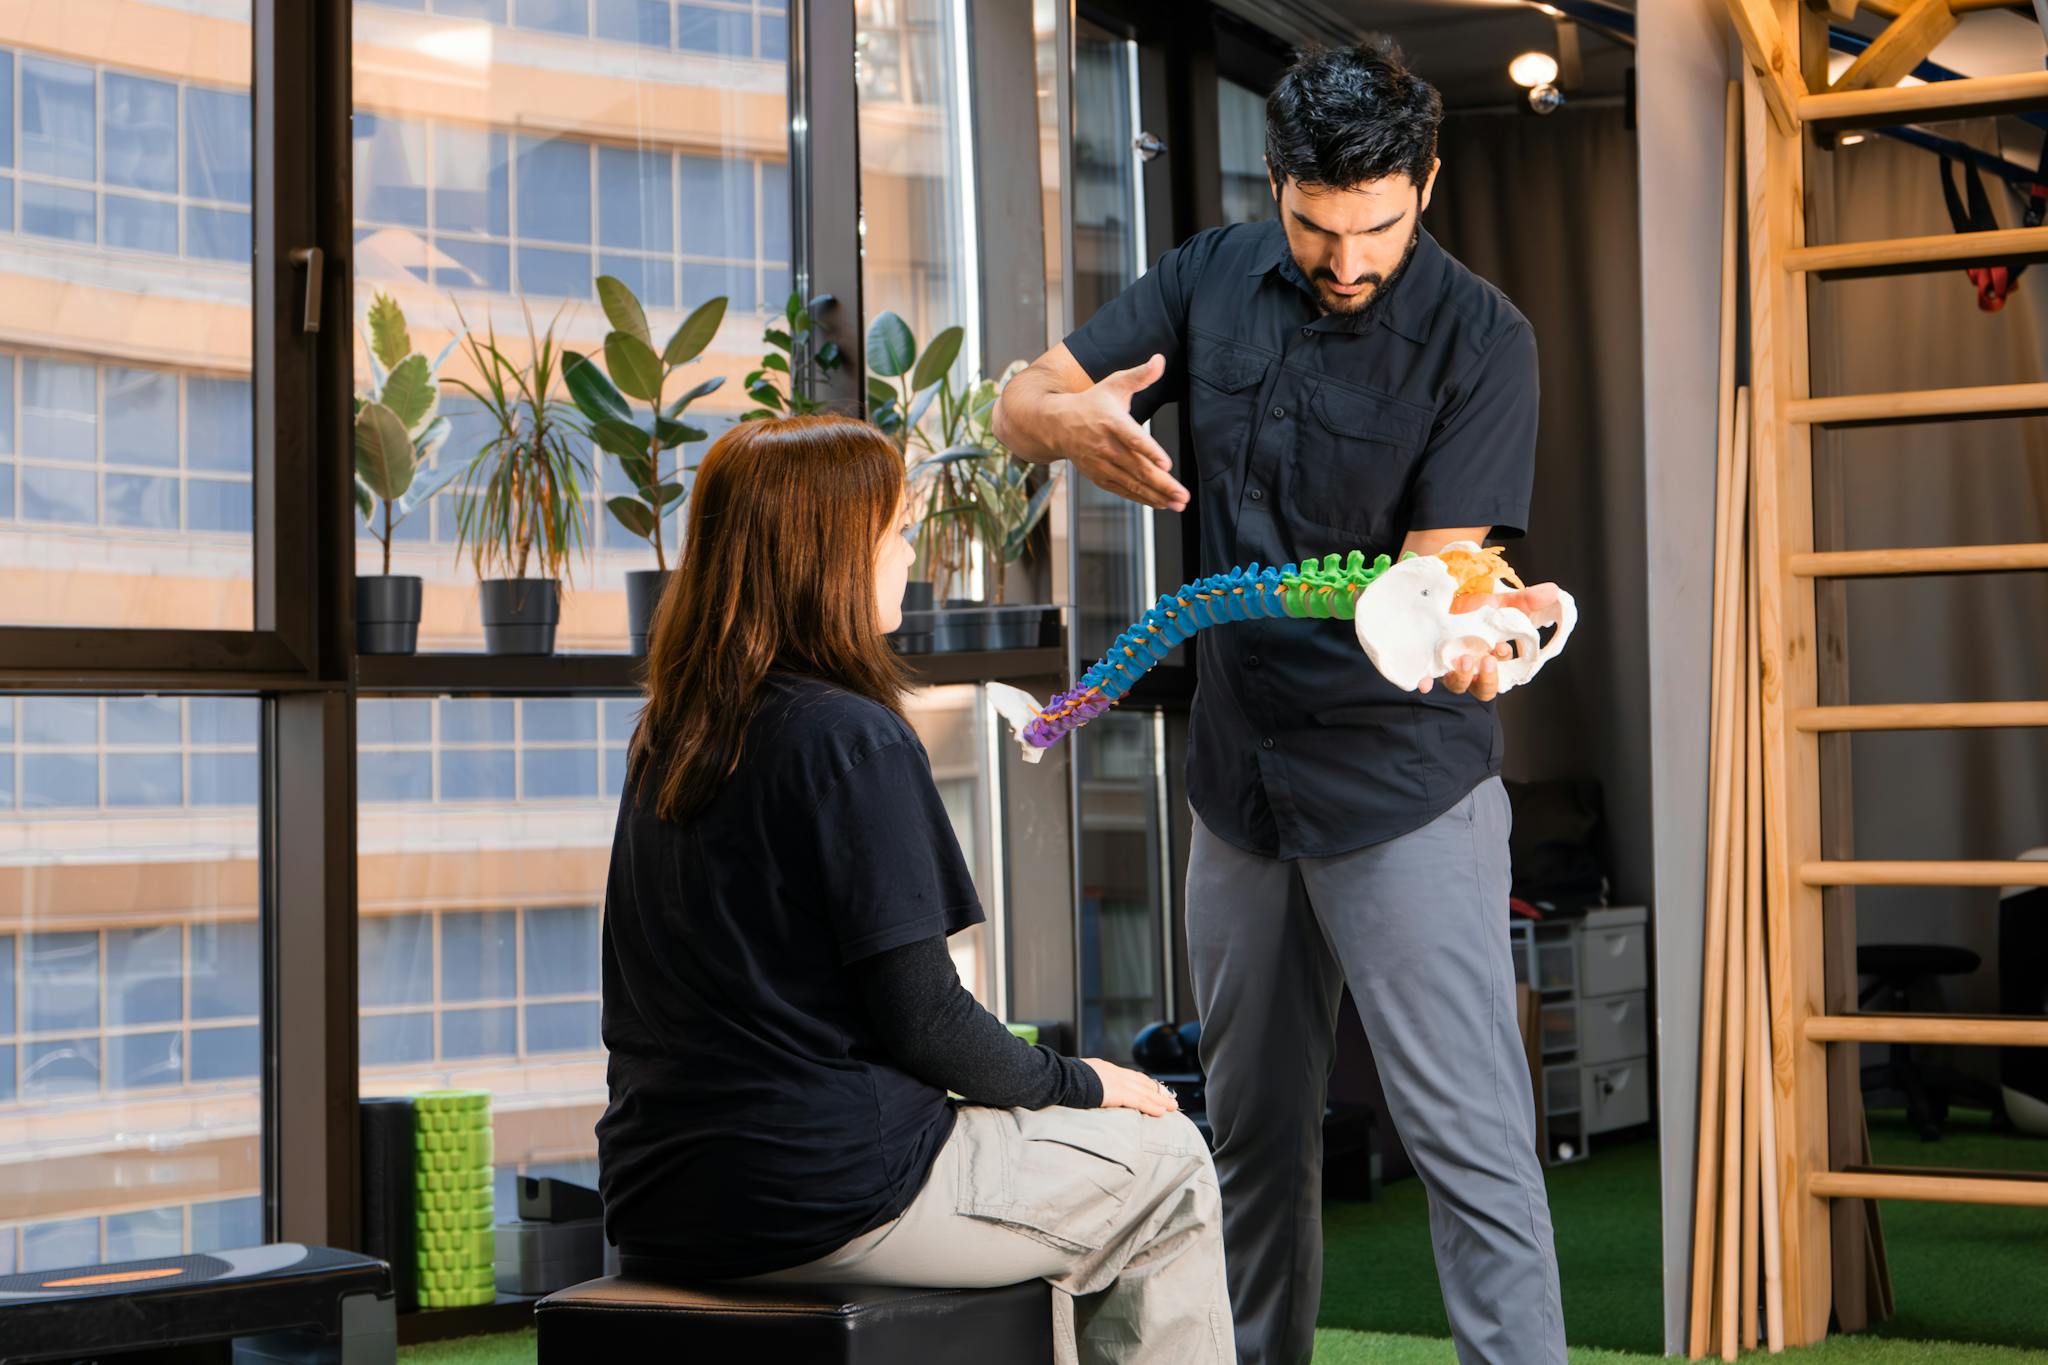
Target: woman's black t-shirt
<point>755,1123</point>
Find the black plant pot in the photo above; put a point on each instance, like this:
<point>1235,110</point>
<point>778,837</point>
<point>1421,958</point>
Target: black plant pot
<point>1014,627</point>
<point>961,627</point>
<point>387,614</point>
<point>520,614</point>
<point>643,595</point>
<point>914,636</point>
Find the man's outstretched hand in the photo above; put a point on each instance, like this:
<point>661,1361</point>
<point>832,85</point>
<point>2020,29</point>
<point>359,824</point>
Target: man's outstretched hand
<point>1096,431</point>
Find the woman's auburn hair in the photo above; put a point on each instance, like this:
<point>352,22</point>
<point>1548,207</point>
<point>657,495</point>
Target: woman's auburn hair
<point>777,571</point>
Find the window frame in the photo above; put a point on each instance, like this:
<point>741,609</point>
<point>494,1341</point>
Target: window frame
<point>299,656</point>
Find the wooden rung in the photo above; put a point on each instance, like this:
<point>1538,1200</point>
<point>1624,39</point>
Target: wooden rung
<point>1892,9</point>
<point>1929,103</point>
<point>1911,255</point>
<point>1939,873</point>
<point>1962,1031</point>
<point>1940,1187</point>
<point>1923,405</point>
<point>1934,560</point>
<point>1947,715</point>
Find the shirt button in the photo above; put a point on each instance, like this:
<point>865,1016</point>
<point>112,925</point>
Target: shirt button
<point>1251,661</point>
<point>1266,743</point>
<point>1256,494</point>
<point>1279,412</point>
<point>1308,331</point>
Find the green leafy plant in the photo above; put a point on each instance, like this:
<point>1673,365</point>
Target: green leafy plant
<point>633,369</point>
<point>521,495</point>
<point>789,351</point>
<point>398,429</point>
<point>978,497</point>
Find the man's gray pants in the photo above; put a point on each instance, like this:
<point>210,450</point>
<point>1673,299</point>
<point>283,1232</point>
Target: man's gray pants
<point>1418,927</point>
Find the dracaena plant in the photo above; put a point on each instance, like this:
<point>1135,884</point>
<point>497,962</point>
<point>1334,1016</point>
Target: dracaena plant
<point>634,370</point>
<point>398,428</point>
<point>789,351</point>
<point>978,497</point>
<point>521,496</point>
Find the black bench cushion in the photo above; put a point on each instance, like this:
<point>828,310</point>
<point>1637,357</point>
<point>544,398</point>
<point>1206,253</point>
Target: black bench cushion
<point>624,1317</point>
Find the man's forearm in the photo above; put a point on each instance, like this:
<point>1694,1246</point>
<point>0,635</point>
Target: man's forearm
<point>1020,417</point>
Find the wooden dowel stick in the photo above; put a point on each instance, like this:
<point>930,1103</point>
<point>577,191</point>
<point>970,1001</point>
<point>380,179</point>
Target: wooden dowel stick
<point>1706,1172</point>
<point>1715,1025</point>
<point>1767,1139</point>
<point>1713,988</point>
<point>1753,1058</point>
<point>1735,1034</point>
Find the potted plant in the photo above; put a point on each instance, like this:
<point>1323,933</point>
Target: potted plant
<point>519,508</point>
<point>789,352</point>
<point>397,433</point>
<point>979,499</point>
<point>633,369</point>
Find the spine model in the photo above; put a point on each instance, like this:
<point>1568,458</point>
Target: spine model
<point>1323,591</point>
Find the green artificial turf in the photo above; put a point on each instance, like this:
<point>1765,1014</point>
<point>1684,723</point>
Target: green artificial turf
<point>1960,1272</point>
<point>1378,1274</point>
<point>1335,1346</point>
<point>1964,1271</point>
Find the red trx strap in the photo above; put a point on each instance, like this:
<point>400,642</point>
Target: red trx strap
<point>1994,283</point>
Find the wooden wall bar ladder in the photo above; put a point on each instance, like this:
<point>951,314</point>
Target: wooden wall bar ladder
<point>1785,121</point>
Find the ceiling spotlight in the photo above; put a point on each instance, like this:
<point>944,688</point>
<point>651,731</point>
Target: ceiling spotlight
<point>1532,69</point>
<point>1849,139</point>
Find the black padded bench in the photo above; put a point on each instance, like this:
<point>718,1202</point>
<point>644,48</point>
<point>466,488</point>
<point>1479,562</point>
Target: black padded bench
<point>630,1317</point>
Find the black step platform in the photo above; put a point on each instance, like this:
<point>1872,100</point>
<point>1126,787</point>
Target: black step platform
<point>637,1317</point>
<point>278,1303</point>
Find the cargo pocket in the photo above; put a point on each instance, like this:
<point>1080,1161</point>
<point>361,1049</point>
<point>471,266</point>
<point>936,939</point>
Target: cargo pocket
<point>1060,1176</point>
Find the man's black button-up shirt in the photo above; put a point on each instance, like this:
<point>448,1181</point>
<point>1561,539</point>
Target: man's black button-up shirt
<point>1316,433</point>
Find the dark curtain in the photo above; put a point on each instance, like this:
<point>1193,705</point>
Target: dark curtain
<point>1956,794</point>
<point>1545,208</point>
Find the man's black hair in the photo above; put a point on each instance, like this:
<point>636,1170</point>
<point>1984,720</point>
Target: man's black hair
<point>1342,116</point>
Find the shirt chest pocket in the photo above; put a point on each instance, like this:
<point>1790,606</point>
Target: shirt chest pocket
<point>1223,394</point>
<point>1356,463</point>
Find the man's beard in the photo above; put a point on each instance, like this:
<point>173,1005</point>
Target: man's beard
<point>1361,306</point>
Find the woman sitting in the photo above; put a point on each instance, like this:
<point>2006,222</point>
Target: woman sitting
<point>783,1017</point>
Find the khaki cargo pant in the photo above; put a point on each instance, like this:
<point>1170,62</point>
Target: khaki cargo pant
<point>1120,1213</point>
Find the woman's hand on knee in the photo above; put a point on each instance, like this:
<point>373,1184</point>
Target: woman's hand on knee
<point>1123,1088</point>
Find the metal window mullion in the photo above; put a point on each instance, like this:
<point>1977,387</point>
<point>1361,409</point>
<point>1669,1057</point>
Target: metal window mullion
<point>824,189</point>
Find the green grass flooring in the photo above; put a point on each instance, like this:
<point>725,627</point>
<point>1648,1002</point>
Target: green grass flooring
<point>1960,1273</point>
<point>1335,1346</point>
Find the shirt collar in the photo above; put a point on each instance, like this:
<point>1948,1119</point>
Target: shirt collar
<point>1411,302</point>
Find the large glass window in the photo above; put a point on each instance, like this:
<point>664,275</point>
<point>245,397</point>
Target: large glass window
<point>916,167</point>
<point>484,838</point>
<point>126,184</point>
<point>130,978</point>
<point>594,139</point>
<point>1241,137</point>
<point>1120,813</point>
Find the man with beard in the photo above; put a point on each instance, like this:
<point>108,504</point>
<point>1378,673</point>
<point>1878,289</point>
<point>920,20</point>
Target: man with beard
<point>1347,385</point>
